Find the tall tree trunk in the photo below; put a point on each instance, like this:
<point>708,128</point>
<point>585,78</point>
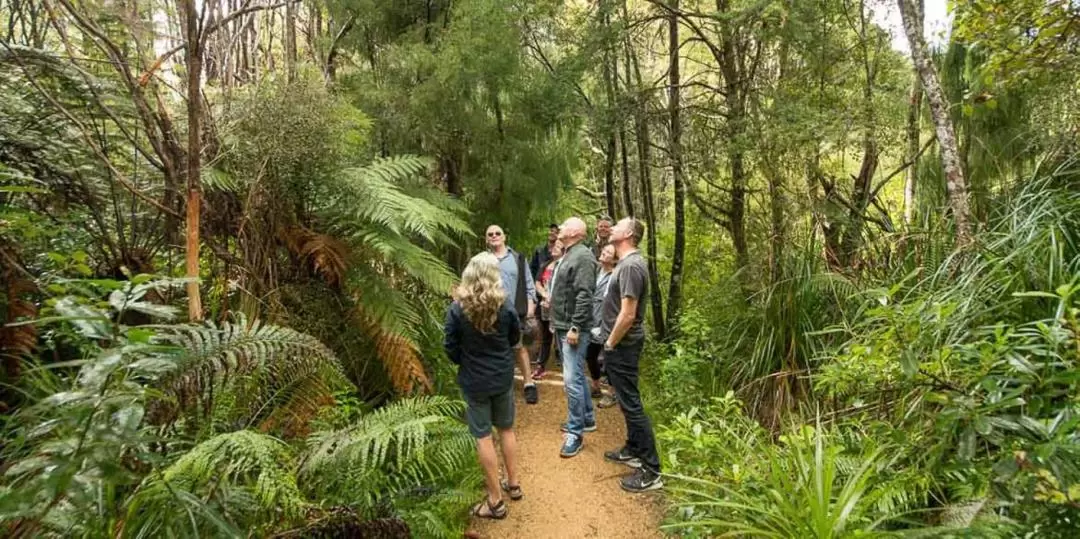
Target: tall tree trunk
<point>955,183</point>
<point>914,114</point>
<point>777,232</point>
<point>609,174</point>
<point>641,126</point>
<point>628,199</point>
<point>675,288</point>
<point>860,193</point>
<point>290,41</point>
<point>193,36</point>
<point>736,88</point>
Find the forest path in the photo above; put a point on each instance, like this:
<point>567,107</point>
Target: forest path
<point>575,497</point>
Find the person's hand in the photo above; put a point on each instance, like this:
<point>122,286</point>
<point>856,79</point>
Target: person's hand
<point>572,338</point>
<point>545,304</point>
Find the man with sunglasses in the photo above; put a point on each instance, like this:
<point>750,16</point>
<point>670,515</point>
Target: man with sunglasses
<point>517,281</point>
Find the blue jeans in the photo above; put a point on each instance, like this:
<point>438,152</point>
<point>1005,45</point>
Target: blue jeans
<point>580,411</point>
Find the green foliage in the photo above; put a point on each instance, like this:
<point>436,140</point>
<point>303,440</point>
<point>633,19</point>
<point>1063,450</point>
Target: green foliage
<point>242,479</point>
<point>401,445</point>
<point>123,446</point>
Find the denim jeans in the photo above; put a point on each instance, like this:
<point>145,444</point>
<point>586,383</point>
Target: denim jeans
<point>580,411</point>
<point>621,365</point>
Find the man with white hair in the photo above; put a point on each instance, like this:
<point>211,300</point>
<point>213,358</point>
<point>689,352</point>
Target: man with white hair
<point>572,317</point>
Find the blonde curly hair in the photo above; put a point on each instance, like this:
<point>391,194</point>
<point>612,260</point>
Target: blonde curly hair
<point>481,293</point>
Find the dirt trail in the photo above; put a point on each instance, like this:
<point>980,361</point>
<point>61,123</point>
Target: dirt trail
<point>576,497</point>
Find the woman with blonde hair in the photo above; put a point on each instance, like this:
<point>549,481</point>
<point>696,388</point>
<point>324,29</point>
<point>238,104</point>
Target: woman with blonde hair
<point>482,333</point>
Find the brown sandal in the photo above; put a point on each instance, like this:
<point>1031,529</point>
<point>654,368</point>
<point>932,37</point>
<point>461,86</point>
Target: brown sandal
<point>498,511</point>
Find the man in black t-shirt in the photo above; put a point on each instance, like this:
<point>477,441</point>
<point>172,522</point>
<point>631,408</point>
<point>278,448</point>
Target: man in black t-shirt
<point>622,326</point>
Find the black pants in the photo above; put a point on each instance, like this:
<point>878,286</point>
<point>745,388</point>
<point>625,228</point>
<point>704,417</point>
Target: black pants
<point>621,365</point>
<point>592,358</point>
<point>546,343</point>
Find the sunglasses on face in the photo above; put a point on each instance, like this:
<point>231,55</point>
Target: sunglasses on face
<point>494,234</point>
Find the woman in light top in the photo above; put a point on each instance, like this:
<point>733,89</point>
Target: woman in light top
<point>482,334</point>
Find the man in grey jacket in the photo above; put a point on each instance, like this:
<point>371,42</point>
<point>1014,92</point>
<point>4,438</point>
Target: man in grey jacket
<point>572,317</point>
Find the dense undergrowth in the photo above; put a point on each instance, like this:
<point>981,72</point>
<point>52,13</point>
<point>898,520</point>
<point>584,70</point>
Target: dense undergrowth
<point>936,395</point>
<point>242,428</point>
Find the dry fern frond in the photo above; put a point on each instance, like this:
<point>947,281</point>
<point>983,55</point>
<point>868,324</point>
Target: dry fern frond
<point>16,342</point>
<point>399,355</point>
<point>327,255</point>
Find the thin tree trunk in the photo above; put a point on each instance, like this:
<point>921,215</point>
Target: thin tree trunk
<point>641,126</point>
<point>290,41</point>
<point>609,73</point>
<point>914,114</point>
<point>679,249</point>
<point>955,183</point>
<point>193,53</point>
<point>628,200</point>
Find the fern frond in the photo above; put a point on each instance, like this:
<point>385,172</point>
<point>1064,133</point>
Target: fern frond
<point>401,358</point>
<point>206,356</point>
<point>393,447</point>
<point>377,197</point>
<point>245,476</point>
<point>326,254</point>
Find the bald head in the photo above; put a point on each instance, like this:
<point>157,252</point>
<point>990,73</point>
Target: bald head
<point>572,231</point>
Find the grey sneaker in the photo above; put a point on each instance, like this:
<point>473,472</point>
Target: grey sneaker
<point>571,446</point>
<point>642,480</point>
<point>622,456</point>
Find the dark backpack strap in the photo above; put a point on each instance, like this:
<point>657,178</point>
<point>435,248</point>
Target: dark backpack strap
<point>520,300</point>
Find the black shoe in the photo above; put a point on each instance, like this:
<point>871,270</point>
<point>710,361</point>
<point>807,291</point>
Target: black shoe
<point>532,395</point>
<point>588,428</point>
<point>642,480</point>
<point>622,456</point>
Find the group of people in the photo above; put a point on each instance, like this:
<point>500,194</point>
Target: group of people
<point>591,302</point>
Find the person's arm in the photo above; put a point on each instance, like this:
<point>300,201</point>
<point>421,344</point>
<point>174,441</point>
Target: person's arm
<point>452,337</point>
<point>515,330</point>
<point>534,263</point>
<point>584,284</point>
<point>627,311</point>
<point>530,292</point>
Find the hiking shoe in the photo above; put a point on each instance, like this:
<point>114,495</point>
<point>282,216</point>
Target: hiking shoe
<point>571,446</point>
<point>622,456</point>
<point>532,395</point>
<point>642,480</point>
<point>607,402</point>
<point>588,428</point>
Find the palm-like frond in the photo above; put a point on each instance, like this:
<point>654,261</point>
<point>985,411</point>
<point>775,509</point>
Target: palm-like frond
<point>392,448</point>
<point>374,194</point>
<point>205,357</point>
<point>245,477</point>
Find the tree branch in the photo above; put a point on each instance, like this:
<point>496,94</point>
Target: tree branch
<point>145,77</point>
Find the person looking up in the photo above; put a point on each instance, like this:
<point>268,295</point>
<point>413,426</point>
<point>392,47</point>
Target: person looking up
<point>622,326</point>
<point>520,291</point>
<point>572,289</point>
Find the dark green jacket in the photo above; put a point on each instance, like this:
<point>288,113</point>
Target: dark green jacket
<point>572,294</point>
